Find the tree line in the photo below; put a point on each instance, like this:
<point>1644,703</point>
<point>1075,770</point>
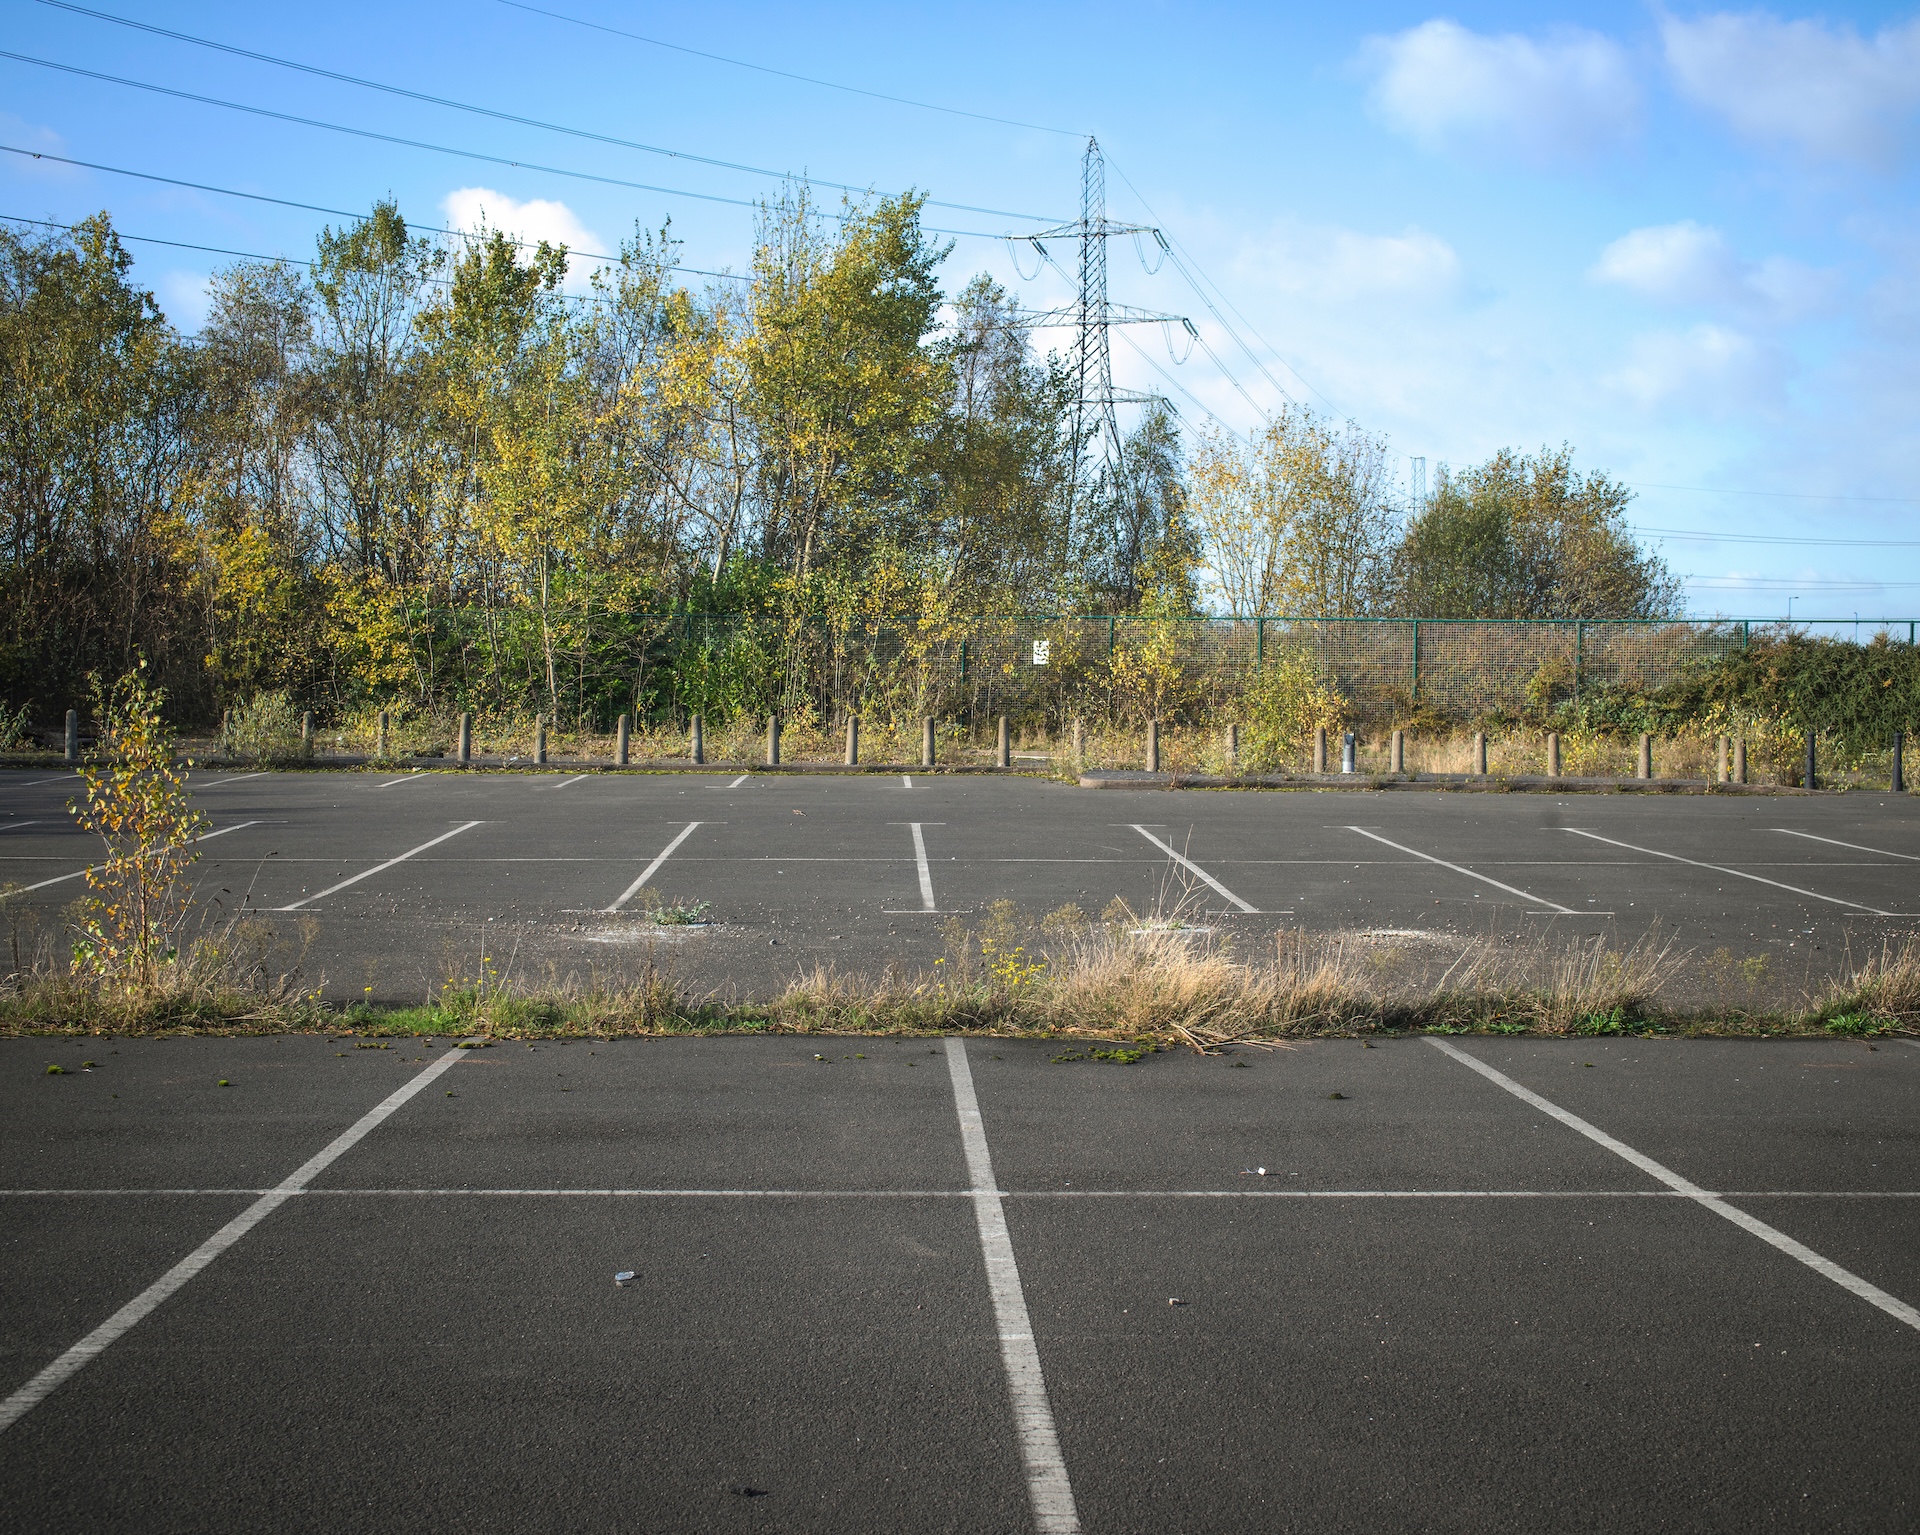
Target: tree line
<point>401,429</point>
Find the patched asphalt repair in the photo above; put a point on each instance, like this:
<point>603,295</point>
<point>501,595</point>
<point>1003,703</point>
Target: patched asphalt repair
<point>1616,1284</point>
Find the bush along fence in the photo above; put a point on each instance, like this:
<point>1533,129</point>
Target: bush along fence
<point>1273,682</point>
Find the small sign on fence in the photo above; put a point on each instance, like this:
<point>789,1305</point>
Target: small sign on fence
<point>1042,652</point>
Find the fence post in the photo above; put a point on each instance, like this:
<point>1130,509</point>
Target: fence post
<point>1480,753</point>
<point>1813,766</point>
<point>621,740</point>
<point>1414,694</point>
<point>1739,759</point>
<point>463,749</point>
<point>773,739</point>
<point>1397,753</point>
<point>1259,644</point>
<point>1553,754</point>
<point>1579,657</point>
<point>1153,746</point>
<point>697,740</point>
<point>73,737</point>
<point>1899,783</point>
<point>853,740</point>
<point>1003,755</point>
<point>1643,765</point>
<point>540,740</point>
<point>1319,748</point>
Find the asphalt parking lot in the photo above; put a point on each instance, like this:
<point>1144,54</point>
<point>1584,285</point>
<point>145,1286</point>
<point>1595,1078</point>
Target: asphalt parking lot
<point>926,1285</point>
<point>392,886</point>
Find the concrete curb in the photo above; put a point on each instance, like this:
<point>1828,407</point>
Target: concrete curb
<point>1437,782</point>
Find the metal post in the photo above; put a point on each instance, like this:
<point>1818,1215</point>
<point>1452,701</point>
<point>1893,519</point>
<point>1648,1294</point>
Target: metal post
<point>622,739</point>
<point>1397,753</point>
<point>1480,753</point>
<point>697,740</point>
<point>1319,748</point>
<point>853,740</point>
<point>1553,754</point>
<point>1259,643</point>
<point>926,741</point>
<point>1899,783</point>
<point>1739,759</point>
<point>380,750</point>
<point>540,740</point>
<point>1813,766</point>
<point>773,739</point>
<point>73,736</point>
<point>463,750</point>
<point>1414,692</point>
<point>1643,765</point>
<point>1153,746</point>
<point>1579,657</point>
<point>1349,759</point>
<point>1003,757</point>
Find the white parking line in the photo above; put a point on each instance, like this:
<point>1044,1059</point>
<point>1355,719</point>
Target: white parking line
<point>734,785</point>
<point>1872,1294</point>
<point>18,825</point>
<point>1525,895</point>
<point>35,783</point>
<point>414,777</point>
<point>907,780</point>
<point>648,872</point>
<point>1048,1489</point>
<point>1187,863</point>
<point>1786,831</point>
<point>920,858</point>
<point>89,1348</point>
<point>1654,852</point>
<point>82,873</point>
<point>221,783</point>
<point>369,873</point>
<point>562,784</point>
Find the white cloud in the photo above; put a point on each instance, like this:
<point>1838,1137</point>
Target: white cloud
<point>1567,95</point>
<point>470,209</point>
<point>1709,370</point>
<point>1823,88</point>
<point>1342,265</point>
<point>1689,263</point>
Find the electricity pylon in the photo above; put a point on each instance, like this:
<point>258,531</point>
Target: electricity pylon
<point>1091,315</point>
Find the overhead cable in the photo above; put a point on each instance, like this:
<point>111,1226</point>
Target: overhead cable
<point>1789,495</point>
<point>345,213</point>
<point>786,74</point>
<point>439,149</point>
<point>492,112</point>
<point>1778,538</point>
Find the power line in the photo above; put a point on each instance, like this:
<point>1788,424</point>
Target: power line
<point>784,74</point>
<point>217,250</point>
<point>440,149</point>
<point>1788,495</point>
<point>492,112</point>
<point>284,202</point>
<point>1769,538</point>
<point>1782,584</point>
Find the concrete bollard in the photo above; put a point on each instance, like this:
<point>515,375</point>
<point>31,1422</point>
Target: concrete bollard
<point>1233,746</point>
<point>1079,748</point>
<point>1153,746</point>
<point>1349,752</point>
<point>1813,765</point>
<point>926,741</point>
<point>853,740</point>
<point>1553,754</point>
<point>73,737</point>
<point>1899,778</point>
<point>306,734</point>
<point>1004,755</point>
<point>463,749</point>
<point>1397,752</point>
<point>773,739</point>
<point>1319,748</point>
<point>540,740</point>
<point>697,740</point>
<point>1480,752</point>
<point>1643,763</point>
<point>380,750</point>
<point>622,740</point>
<point>1720,763</point>
<point>1739,759</point>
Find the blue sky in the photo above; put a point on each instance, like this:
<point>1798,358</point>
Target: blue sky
<point>1685,241</point>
